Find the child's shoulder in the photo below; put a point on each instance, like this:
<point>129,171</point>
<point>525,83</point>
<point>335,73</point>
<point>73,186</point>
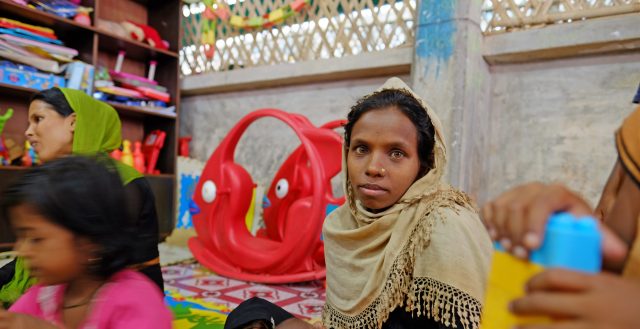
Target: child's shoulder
<point>130,282</point>
<point>131,300</point>
<point>129,289</point>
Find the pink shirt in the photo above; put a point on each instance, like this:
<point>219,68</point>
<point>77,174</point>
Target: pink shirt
<point>127,301</point>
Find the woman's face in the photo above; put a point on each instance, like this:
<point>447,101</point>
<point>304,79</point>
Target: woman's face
<point>50,134</point>
<point>382,159</point>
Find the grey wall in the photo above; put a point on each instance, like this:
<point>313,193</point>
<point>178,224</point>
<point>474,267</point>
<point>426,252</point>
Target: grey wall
<point>506,124</point>
<point>555,120</point>
<point>267,142</point>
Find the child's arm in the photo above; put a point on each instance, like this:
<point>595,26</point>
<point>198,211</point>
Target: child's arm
<point>581,300</point>
<point>11,320</point>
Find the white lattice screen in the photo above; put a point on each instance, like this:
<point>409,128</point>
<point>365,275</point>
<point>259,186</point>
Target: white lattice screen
<point>337,28</point>
<point>324,29</point>
<point>509,15</point>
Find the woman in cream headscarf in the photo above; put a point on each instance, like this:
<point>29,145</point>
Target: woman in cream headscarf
<point>65,121</point>
<point>406,249</point>
<point>580,300</point>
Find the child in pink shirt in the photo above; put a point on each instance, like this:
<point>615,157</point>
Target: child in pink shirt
<point>69,216</point>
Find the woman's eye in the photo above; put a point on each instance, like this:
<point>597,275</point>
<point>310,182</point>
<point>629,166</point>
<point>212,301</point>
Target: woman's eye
<point>397,155</point>
<point>360,149</point>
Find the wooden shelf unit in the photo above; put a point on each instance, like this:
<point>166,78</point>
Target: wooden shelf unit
<point>100,48</point>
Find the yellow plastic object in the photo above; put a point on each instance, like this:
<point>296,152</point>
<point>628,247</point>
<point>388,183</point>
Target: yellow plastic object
<point>507,281</point>
<point>127,155</point>
<point>248,218</point>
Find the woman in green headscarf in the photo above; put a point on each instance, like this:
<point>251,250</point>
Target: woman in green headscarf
<point>63,122</point>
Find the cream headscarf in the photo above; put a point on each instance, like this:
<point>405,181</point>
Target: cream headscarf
<point>429,252</point>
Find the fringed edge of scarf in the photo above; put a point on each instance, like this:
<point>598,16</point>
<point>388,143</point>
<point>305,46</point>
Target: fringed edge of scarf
<point>436,300</point>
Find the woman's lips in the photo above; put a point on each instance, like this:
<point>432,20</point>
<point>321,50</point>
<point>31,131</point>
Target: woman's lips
<point>372,189</point>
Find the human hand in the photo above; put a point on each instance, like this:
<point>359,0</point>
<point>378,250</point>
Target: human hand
<point>580,301</point>
<point>517,218</point>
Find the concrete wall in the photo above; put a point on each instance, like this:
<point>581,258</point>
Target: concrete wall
<point>555,120</point>
<point>534,105</point>
<point>541,104</point>
<point>267,142</point>
<point>450,72</point>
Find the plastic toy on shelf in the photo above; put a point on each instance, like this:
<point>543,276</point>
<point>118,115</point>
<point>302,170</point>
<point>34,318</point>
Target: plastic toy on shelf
<point>5,159</point>
<point>153,143</point>
<point>127,155</point>
<point>183,148</point>
<point>138,157</point>
<point>133,87</point>
<point>291,249</point>
<point>29,157</point>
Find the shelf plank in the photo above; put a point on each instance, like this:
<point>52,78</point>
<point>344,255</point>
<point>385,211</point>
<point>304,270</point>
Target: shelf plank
<point>152,176</point>
<point>23,92</point>
<point>59,24</point>
<point>146,111</point>
<point>135,49</point>
<point>160,176</point>
<point>26,93</point>
<point>13,168</point>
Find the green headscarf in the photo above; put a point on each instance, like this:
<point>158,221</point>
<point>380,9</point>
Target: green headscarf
<point>21,281</point>
<point>98,129</point>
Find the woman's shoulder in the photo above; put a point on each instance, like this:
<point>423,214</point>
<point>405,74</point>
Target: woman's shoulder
<point>140,183</point>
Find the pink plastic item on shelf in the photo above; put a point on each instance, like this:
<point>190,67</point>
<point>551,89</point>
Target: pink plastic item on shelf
<point>153,143</point>
<point>138,157</point>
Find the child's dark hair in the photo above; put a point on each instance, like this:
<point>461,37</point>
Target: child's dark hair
<point>83,195</point>
<point>411,107</point>
<point>55,98</point>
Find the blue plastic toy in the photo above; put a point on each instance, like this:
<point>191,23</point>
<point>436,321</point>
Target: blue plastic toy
<point>569,242</point>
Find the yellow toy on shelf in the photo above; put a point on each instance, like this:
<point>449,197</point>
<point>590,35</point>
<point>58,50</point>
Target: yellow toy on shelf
<point>127,156</point>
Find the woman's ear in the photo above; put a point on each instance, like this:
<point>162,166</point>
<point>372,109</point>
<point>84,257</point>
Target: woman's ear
<point>72,122</point>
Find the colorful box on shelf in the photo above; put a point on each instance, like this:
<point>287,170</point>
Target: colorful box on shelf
<point>62,8</point>
<point>28,77</point>
<point>80,76</point>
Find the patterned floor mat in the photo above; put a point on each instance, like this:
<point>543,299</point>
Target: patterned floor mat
<point>201,299</point>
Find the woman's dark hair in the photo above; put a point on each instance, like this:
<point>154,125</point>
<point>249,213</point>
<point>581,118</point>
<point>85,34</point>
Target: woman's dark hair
<point>85,196</point>
<point>411,107</point>
<point>55,98</point>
